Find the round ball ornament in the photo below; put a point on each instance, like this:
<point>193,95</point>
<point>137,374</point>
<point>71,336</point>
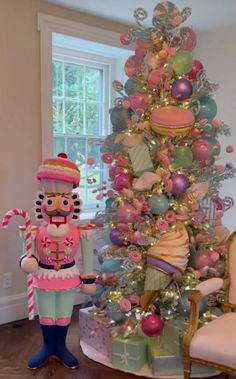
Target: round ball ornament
<point>126,213</point>
<point>122,181</point>
<point>109,202</point>
<point>158,204</point>
<point>152,325</point>
<point>138,102</point>
<point>215,146</point>
<point>197,67</point>
<point>131,86</point>
<point>183,157</point>
<point>183,306</point>
<point>183,62</point>
<point>111,265</point>
<point>189,38</point>
<point>201,150</point>
<point>180,184</point>
<point>114,312</point>
<point>131,67</point>
<point>208,108</point>
<point>181,89</point>
<point>203,259</point>
<point>115,237</point>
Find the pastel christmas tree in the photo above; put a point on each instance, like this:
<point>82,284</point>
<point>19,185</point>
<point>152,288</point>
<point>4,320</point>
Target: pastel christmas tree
<point>162,223</point>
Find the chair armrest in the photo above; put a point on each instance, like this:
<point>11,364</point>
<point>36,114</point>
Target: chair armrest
<point>202,289</point>
<point>210,285</point>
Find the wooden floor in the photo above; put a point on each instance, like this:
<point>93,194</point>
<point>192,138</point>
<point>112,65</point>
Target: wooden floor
<point>20,340</point>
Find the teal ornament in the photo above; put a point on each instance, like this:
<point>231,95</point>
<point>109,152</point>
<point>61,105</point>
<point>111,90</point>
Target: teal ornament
<point>111,265</point>
<point>183,306</point>
<point>131,86</point>
<point>208,108</point>
<point>114,312</point>
<point>158,204</point>
<point>183,157</point>
<point>215,147</point>
<point>109,202</point>
<point>106,236</point>
<point>183,62</point>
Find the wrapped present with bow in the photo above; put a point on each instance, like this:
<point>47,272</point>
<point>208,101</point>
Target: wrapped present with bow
<point>94,332</point>
<point>129,354</point>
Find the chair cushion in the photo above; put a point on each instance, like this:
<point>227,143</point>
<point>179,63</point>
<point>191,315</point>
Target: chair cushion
<point>216,341</point>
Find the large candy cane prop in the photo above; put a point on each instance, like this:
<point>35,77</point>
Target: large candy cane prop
<point>28,242</point>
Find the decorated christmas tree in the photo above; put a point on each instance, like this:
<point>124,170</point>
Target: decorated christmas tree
<point>162,225</point>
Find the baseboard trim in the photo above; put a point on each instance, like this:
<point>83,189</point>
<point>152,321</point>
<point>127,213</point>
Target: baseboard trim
<point>14,307</point>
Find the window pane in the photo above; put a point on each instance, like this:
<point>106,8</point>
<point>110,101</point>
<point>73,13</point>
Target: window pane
<point>57,78</point>
<point>73,117</point>
<point>76,150</point>
<point>58,145</point>
<point>74,81</point>
<point>57,115</point>
<point>92,119</point>
<point>93,84</point>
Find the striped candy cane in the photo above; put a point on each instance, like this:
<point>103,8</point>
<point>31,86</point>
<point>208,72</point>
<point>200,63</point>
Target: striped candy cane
<point>28,242</point>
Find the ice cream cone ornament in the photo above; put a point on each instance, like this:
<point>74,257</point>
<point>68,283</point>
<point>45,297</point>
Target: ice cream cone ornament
<point>58,204</point>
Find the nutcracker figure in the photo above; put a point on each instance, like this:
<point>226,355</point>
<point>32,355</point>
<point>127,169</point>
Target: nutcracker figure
<point>51,261</point>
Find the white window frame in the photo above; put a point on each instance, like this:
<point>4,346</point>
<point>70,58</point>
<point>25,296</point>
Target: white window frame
<point>108,65</point>
<point>47,25</point>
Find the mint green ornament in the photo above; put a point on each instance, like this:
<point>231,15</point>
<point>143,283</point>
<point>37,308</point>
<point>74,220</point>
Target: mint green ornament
<point>183,62</point>
<point>183,157</point>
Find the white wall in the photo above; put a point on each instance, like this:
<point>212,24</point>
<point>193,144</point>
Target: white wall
<point>20,126</point>
<point>20,142</point>
<point>216,50</point>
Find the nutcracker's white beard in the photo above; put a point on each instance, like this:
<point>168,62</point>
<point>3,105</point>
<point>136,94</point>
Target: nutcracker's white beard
<point>57,231</point>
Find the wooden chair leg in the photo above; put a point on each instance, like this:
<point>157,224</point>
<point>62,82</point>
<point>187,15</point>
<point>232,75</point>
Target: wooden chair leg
<point>187,369</point>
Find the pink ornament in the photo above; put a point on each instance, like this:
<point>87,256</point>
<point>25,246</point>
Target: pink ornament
<point>216,123</point>
<point>124,39</point>
<point>197,67</point>
<point>201,150</point>
<point>134,299</point>
<point>139,101</point>
<point>107,158</point>
<point>215,256</point>
<point>229,149</point>
<point>126,104</point>
<point>90,161</point>
<point>152,325</point>
<point>170,216</point>
<point>189,39</point>
<point>155,77</point>
<point>127,213</point>
<point>162,225</point>
<point>122,160</point>
<point>99,196</point>
<point>122,181</point>
<point>125,305</point>
<point>135,256</point>
<point>203,259</point>
<point>131,66</point>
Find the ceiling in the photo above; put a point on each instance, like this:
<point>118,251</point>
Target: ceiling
<point>206,14</point>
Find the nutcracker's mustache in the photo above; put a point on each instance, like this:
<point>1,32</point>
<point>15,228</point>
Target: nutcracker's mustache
<point>57,213</point>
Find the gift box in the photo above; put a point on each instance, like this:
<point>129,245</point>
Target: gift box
<point>161,361</point>
<point>94,332</point>
<point>129,354</point>
<point>173,334</point>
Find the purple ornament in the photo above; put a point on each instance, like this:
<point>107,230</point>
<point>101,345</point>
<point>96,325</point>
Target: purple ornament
<point>180,184</point>
<point>181,89</point>
<point>115,237</point>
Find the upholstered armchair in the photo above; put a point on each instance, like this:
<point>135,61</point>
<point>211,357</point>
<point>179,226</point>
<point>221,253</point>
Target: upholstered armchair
<point>214,344</point>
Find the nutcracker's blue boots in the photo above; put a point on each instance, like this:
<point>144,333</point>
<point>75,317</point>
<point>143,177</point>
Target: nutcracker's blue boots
<point>48,349</point>
<point>61,351</point>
